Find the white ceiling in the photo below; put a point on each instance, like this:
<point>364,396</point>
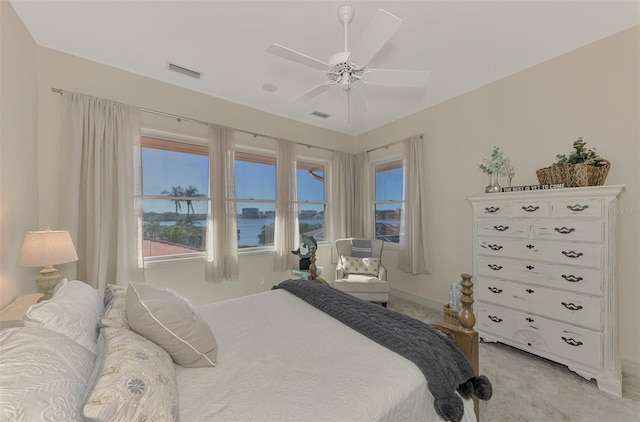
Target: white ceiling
<point>464,45</point>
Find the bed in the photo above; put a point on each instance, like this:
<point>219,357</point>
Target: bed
<point>268,356</point>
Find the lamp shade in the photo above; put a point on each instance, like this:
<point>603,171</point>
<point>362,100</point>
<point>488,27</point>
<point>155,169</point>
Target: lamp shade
<point>47,248</point>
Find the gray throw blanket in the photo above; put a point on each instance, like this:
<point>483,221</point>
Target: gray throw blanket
<point>440,359</point>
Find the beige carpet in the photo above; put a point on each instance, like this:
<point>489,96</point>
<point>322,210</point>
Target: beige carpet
<point>529,388</point>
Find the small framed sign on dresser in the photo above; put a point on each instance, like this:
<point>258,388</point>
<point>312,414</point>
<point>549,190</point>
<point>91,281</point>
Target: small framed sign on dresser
<point>544,263</point>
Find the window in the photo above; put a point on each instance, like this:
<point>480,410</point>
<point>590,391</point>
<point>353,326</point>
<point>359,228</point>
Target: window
<point>388,203</point>
<point>311,203</point>
<point>175,180</point>
<point>255,199</point>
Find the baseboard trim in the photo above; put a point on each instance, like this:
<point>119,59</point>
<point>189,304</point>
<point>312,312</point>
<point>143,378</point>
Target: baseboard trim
<point>431,304</point>
<point>631,368</point>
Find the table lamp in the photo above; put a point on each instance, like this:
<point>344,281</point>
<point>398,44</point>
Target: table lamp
<point>46,249</point>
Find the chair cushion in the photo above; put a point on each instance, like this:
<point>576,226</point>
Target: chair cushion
<point>354,283</point>
<point>355,265</point>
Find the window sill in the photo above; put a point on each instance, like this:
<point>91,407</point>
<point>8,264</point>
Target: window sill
<point>174,260</point>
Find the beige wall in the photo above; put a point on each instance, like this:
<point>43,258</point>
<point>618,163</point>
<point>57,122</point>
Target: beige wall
<point>532,116</point>
<point>18,151</point>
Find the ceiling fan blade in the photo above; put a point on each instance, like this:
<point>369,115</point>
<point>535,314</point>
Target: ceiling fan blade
<point>380,30</point>
<point>389,77</point>
<point>294,56</point>
<point>313,92</point>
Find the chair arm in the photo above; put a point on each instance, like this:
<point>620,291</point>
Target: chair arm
<point>382,273</point>
<point>339,273</point>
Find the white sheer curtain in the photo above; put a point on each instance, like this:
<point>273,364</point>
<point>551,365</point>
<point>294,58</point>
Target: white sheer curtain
<point>286,227</point>
<point>412,255</point>
<point>100,191</point>
<point>341,196</point>
<point>362,222</point>
<point>221,261</point>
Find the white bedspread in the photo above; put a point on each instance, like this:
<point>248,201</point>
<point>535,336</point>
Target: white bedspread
<point>281,359</point>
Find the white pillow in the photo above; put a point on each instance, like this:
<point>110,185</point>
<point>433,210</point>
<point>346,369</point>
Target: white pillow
<point>355,265</point>
<point>43,375</point>
<point>171,322</point>
<point>74,310</point>
<point>135,381</point>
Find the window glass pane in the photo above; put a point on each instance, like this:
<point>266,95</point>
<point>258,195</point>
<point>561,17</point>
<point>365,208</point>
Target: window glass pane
<point>388,218</point>
<point>173,227</point>
<point>255,180</point>
<point>389,184</point>
<point>162,170</point>
<point>256,221</point>
<point>311,220</point>
<point>310,188</point>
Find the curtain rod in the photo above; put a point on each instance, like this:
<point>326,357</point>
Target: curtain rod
<point>391,144</point>
<point>188,119</point>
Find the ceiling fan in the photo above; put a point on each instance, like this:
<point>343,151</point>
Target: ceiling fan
<point>347,69</point>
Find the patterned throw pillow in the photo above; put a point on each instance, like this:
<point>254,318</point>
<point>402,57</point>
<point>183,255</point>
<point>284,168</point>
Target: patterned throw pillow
<point>43,375</point>
<point>115,314</point>
<point>355,265</point>
<point>74,310</point>
<point>136,381</point>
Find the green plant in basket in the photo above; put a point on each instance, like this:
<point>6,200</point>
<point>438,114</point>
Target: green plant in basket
<point>580,154</point>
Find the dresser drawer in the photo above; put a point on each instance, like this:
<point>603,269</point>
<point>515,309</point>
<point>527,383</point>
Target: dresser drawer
<point>560,305</point>
<point>494,320</point>
<point>530,209</point>
<point>491,209</point>
<point>581,280</point>
<point>567,229</point>
<point>591,207</point>
<point>539,250</point>
<point>534,333</point>
<point>503,227</point>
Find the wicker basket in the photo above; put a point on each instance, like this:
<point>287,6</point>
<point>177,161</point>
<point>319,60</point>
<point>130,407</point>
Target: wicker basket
<point>552,175</point>
<point>575,175</point>
<point>450,315</point>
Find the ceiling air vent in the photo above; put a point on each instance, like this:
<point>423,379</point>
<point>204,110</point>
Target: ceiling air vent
<point>183,70</point>
<point>320,114</point>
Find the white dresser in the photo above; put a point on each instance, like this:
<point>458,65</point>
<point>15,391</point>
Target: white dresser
<point>544,263</point>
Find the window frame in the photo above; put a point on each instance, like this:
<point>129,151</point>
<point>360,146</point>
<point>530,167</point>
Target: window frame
<point>176,142</point>
<point>388,162</point>
<point>261,156</point>
<point>310,163</point>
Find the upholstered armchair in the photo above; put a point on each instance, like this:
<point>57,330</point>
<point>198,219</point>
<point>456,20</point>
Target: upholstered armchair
<point>359,271</point>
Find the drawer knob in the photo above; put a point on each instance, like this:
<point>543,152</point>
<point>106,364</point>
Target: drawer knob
<point>529,267</point>
<point>530,320</point>
<point>529,291</point>
<point>492,210</point>
<point>572,254</point>
<point>577,207</point>
<point>531,208</point>
<point>495,247</point>
<point>564,230</point>
<point>501,228</point>
<point>572,306</point>
<point>572,342</point>
<point>495,319</point>
<point>530,246</point>
<point>495,267</point>
<point>494,290</point>
<point>572,278</point>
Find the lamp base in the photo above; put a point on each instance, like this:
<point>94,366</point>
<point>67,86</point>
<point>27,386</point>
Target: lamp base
<point>47,281</point>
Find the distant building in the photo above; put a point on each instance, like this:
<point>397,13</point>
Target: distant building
<point>250,213</point>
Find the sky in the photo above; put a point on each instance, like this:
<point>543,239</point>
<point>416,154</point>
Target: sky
<point>161,170</point>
